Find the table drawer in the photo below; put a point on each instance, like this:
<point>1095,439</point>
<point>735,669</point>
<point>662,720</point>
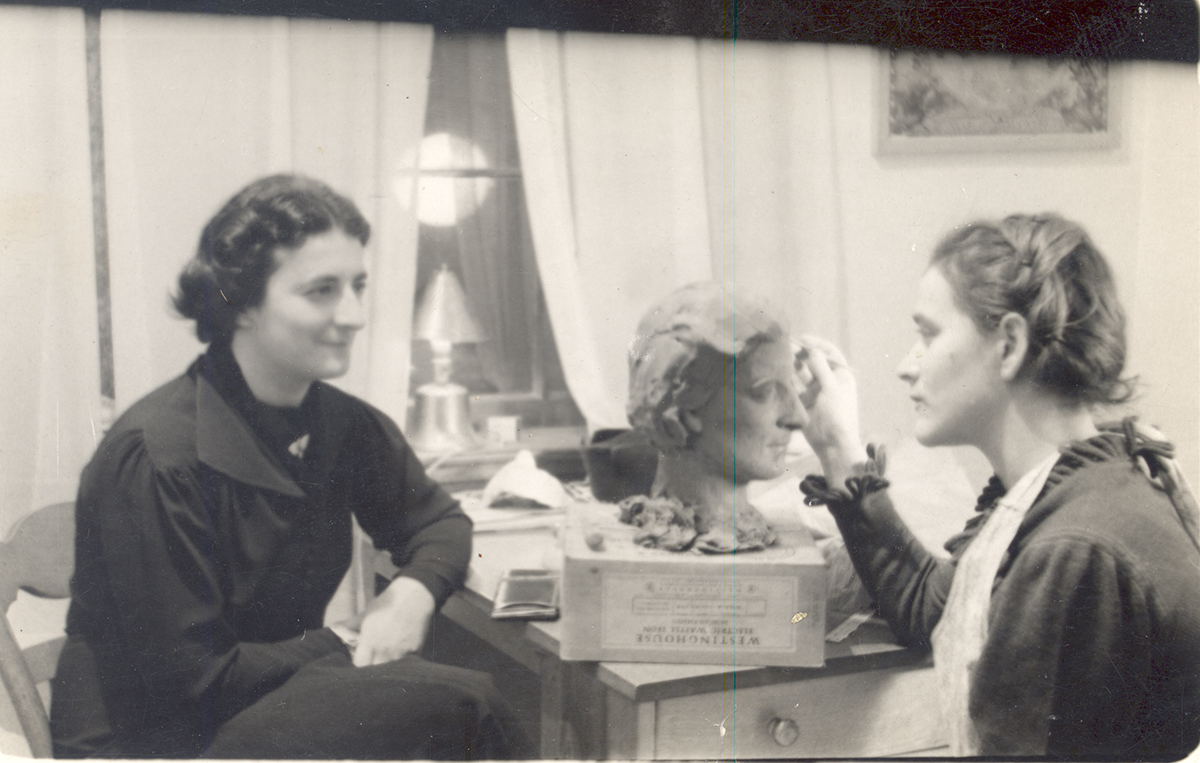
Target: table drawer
<point>863,714</point>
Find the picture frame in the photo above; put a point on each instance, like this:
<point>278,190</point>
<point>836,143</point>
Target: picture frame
<point>934,101</point>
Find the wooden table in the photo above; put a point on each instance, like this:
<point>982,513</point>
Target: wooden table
<point>872,698</point>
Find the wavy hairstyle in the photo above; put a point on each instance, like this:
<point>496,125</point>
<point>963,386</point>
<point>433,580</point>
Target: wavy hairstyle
<point>237,253</point>
<point>1045,269</point>
<point>686,345</point>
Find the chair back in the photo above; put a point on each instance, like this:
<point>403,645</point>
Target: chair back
<point>38,558</point>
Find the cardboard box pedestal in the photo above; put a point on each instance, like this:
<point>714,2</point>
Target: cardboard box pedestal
<point>627,603</point>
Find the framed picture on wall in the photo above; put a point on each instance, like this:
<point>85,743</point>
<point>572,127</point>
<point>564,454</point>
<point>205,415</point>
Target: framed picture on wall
<point>939,101</point>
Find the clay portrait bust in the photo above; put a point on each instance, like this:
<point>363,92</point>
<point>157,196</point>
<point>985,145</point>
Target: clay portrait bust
<point>712,383</point>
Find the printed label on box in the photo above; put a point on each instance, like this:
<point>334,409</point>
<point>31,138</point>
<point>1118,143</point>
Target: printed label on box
<point>670,611</point>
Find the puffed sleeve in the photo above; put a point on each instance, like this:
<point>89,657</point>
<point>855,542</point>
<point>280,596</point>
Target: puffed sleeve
<point>150,588</point>
<point>405,511</point>
<point>909,585</point>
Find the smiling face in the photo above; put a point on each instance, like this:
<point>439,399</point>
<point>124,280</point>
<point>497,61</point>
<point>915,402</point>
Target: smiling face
<point>303,330</point>
<point>745,427</point>
<point>953,370</point>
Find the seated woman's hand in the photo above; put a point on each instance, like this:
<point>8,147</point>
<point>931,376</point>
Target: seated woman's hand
<point>830,398</point>
<point>394,623</point>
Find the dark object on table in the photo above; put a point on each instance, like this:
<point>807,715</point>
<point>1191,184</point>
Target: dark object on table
<point>620,463</point>
<point>527,595</point>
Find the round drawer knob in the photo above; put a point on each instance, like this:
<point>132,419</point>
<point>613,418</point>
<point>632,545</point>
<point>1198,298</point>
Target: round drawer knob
<point>784,731</point>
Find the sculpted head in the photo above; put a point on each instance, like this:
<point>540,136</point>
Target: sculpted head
<point>713,385</point>
<point>700,359</point>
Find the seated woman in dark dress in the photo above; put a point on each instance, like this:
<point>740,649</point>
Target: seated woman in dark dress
<point>214,525</point>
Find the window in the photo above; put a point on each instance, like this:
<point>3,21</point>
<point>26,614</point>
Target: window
<point>474,222</point>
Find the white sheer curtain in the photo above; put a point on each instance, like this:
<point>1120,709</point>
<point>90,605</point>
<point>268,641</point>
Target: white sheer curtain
<point>49,380</point>
<point>652,162</point>
<point>611,157</point>
<point>197,106</point>
<point>771,169</point>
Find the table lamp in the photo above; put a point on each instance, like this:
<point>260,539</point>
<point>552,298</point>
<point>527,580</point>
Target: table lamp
<point>441,422</point>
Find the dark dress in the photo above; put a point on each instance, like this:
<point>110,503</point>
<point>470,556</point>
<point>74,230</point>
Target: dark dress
<point>1093,648</point>
<point>211,535</point>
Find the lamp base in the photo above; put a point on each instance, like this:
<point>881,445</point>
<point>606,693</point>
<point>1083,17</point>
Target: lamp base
<point>441,421</point>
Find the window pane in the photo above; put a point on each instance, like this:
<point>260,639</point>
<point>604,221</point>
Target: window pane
<point>489,248</point>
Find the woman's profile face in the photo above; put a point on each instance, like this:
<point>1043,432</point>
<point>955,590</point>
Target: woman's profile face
<point>952,370</point>
<point>311,310</point>
<point>747,425</point>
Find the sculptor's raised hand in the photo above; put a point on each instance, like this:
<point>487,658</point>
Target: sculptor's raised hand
<point>830,397</point>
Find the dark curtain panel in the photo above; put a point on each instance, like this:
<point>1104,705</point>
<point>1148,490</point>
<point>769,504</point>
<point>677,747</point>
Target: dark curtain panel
<point>490,250</point>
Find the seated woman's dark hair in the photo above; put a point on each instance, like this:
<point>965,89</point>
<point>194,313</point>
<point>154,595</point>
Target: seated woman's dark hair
<point>1045,269</point>
<point>236,255</point>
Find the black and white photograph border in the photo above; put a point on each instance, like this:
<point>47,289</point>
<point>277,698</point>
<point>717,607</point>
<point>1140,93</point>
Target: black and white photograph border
<point>1131,43</point>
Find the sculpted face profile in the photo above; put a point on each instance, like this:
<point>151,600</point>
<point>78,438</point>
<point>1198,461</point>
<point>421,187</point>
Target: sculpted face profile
<point>712,383</point>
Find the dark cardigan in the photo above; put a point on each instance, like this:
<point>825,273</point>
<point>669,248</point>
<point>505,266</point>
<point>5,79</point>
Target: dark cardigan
<point>1093,646</point>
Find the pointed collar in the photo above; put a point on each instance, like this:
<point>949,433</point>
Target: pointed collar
<point>226,443</point>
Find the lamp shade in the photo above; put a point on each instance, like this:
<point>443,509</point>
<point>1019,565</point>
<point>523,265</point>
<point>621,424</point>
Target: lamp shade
<point>442,314</point>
